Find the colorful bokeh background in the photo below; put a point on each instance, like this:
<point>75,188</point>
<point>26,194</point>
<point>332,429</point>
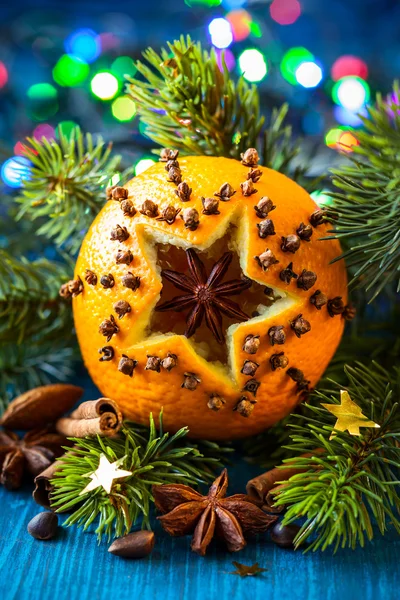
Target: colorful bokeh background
<point>63,63</point>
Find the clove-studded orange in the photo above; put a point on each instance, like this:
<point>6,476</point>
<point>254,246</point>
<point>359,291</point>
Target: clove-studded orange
<point>208,294</point>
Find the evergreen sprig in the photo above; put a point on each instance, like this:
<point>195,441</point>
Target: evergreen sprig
<point>366,209</point>
<point>348,478</point>
<point>154,458</point>
<point>65,190</point>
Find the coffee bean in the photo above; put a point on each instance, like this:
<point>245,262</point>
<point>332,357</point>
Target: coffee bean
<point>134,545</point>
<point>283,535</point>
<point>44,526</point>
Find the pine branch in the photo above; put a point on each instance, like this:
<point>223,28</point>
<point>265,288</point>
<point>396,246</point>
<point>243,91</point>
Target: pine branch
<point>365,212</point>
<point>154,458</point>
<point>354,477</point>
<point>66,188</point>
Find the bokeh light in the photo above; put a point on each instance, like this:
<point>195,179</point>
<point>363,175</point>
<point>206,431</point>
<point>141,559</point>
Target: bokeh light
<point>44,130</point>
<point>349,65</point>
<point>70,71</point>
<point>143,165</point>
<point>285,12</point>
<point>104,85</point>
<point>348,117</point>
<point>123,108</point>
<point>209,3</point>
<point>332,136</point>
<point>15,171</point>
<point>221,33</point>
<point>252,65</point>
<point>241,23</point>
<point>291,61</point>
<point>66,128</point>
<point>3,74</point>
<point>42,91</point>
<point>83,43</point>
<point>229,59</point>
<point>351,93</point>
<point>309,74</point>
<point>123,65</point>
<point>347,141</point>
<point>321,197</point>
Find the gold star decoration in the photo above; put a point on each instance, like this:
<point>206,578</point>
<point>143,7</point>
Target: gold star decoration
<point>105,474</point>
<point>246,570</point>
<point>349,415</point>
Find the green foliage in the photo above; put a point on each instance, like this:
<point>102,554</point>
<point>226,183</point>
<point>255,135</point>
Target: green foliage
<point>154,458</point>
<point>354,477</point>
<point>365,213</point>
<point>66,188</point>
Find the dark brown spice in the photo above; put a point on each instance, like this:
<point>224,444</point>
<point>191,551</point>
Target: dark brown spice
<point>264,207</point>
<point>225,192</point>
<point>122,308</point>
<point>306,280</point>
<point>245,406</point>
<point>127,208</point>
<point>290,243</point>
<point>248,188</point>
<point>107,281</point>
<point>169,214</point>
<point>190,381</point>
<point>215,402</point>
<point>247,570</point>
<point>119,234</point>
<point>150,209</point>
<point>169,362</point>
<point>171,163</point>
<point>300,326</point>
<point>318,217</point>
<point>167,154</point>
<point>190,217</point>
<point>304,232</point>
<point>249,368</point>
<point>286,275</point>
<point>252,386</point>
<point>251,344</point>
<point>284,535</point>
<point>131,281</point>
<point>349,312</point>
<point>107,353</point>
<point>138,544</point>
<point>183,192</point>
<point>335,306</point>
<point>124,257</point>
<point>278,361</point>
<point>109,191</point>
<point>254,175</point>
<point>90,277</point>
<point>108,328</point>
<point>266,228</point>
<point>210,206</point>
<point>175,175</point>
<point>296,374</point>
<point>127,365</point>
<point>72,288</point>
<point>250,158</point>
<point>153,364</point>
<point>266,259</point>
<point>44,526</point>
<point>119,193</point>
<point>318,299</point>
<point>277,335</point>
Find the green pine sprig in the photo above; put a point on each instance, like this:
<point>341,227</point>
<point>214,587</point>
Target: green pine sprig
<point>154,458</point>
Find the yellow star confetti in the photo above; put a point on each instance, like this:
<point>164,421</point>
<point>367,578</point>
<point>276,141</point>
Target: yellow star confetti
<point>349,415</point>
<point>105,474</point>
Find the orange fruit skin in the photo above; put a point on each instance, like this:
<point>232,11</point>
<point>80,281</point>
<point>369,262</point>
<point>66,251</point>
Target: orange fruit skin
<point>149,391</point>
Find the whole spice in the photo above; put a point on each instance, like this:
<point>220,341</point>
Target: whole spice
<point>107,281</point>
<point>171,163</point>
<point>247,570</point>
<point>215,402</point>
<point>254,175</point>
<point>138,544</point>
<point>127,365</point>
<point>131,281</point>
<point>349,312</point>
<point>290,243</point>
<point>190,381</point>
<point>44,526</point>
<point>43,486</point>
<point>251,386</point>
<point>300,326</point>
<point>278,361</point>
<point>169,362</point>
<point>186,511</point>
<point>266,259</point>
<point>248,188</point>
<point>107,353</point>
<point>124,257</point>
<point>175,175</point>
<point>296,374</point>
<point>169,214</point>
<point>245,406</point>
<point>90,277</point>
<point>304,232</point>
<point>167,154</point>
<point>205,296</point>
<point>277,335</point>
<point>118,193</point>
<point>266,228</point>
<point>225,192</point>
<point>210,206</point>
<point>72,288</point>
<point>306,280</point>
<point>153,364</point>
<point>251,344</point>
<point>119,234</point>
<point>318,299</point>
<point>95,417</point>
<point>249,368</point>
<point>150,209</point>
<point>128,208</point>
<point>183,192</point>
<point>335,306</point>
<point>250,158</point>
<point>40,406</point>
<point>190,218</point>
<point>284,535</point>
<point>108,328</point>
<point>317,217</point>
<point>286,275</point>
<point>264,207</point>
<point>122,308</point>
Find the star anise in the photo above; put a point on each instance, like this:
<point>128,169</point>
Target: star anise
<point>32,454</point>
<point>206,296</point>
<point>232,518</point>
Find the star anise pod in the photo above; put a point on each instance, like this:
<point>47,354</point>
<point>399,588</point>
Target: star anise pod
<point>188,512</point>
<point>206,297</point>
<point>32,454</point>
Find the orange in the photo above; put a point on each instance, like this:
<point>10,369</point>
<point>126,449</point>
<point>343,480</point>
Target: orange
<point>143,332</point>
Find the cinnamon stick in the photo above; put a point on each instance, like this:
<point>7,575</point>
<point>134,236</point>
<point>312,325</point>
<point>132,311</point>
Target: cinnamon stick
<point>43,487</point>
<point>95,417</point>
